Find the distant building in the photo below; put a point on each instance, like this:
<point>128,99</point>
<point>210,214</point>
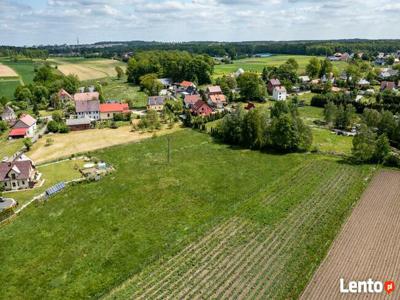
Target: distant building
<point>108,110</point>
<point>25,126</point>
<point>387,86</point>
<point>8,115</point>
<point>273,83</point>
<point>215,97</point>
<point>279,93</point>
<point>190,100</point>
<point>304,79</point>
<point>156,103</point>
<point>200,108</point>
<point>239,72</point>
<point>87,105</point>
<point>18,174</point>
<point>65,96</point>
<point>166,82</point>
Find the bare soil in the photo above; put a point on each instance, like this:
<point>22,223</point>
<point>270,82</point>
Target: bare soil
<point>368,245</point>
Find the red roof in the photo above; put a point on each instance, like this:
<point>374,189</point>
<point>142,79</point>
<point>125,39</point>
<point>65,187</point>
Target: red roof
<point>186,84</point>
<point>18,132</point>
<point>28,120</point>
<point>114,107</point>
<point>191,99</point>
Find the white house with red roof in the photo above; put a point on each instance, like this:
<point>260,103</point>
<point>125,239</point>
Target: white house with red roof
<point>108,110</point>
<point>25,126</point>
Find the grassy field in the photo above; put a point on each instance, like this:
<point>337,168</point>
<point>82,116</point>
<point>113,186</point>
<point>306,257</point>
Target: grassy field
<point>255,253</point>
<point>93,237</point>
<point>109,225</point>
<point>121,90</point>
<point>8,86</point>
<point>87,69</point>
<point>24,68</point>
<point>52,174</point>
<point>9,147</point>
<point>65,145</point>
<point>256,64</point>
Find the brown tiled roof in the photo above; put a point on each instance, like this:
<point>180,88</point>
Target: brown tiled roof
<point>220,98</point>
<point>214,89</point>
<point>28,120</point>
<point>191,99</point>
<point>87,105</point>
<point>86,96</point>
<point>23,169</point>
<point>200,107</point>
<point>275,82</point>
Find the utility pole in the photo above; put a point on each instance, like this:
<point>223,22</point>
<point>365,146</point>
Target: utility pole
<point>169,149</point>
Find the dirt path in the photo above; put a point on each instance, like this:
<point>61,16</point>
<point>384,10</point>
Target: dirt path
<point>368,245</point>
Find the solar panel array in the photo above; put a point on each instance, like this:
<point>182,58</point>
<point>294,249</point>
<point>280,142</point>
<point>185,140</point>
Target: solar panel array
<point>55,189</point>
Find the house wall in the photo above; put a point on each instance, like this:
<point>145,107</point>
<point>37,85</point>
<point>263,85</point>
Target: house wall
<point>11,185</point>
<point>156,107</point>
<point>95,115</point>
<point>279,96</point>
<point>107,116</point>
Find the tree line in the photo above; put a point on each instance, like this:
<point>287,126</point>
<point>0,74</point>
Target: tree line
<point>177,65</point>
<point>236,49</point>
<point>280,130</point>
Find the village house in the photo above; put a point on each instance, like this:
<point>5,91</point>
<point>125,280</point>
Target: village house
<point>79,124</point>
<point>304,79</point>
<point>273,83</point>
<point>108,110</point>
<point>166,82</point>
<point>279,93</point>
<point>25,126</point>
<point>8,115</point>
<point>200,108</point>
<point>387,73</point>
<point>87,104</point>
<point>18,174</point>
<point>215,97</point>
<point>387,86</point>
<point>363,83</point>
<point>190,100</point>
<point>156,103</point>
<point>65,96</point>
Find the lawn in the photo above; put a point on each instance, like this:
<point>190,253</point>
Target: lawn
<point>64,145</point>
<point>9,147</point>
<point>92,237</point>
<point>120,90</point>
<point>324,139</point>
<point>8,86</point>
<point>52,174</point>
<point>256,64</point>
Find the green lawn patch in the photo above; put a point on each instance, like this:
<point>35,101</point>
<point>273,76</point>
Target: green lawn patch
<point>7,87</point>
<point>52,174</point>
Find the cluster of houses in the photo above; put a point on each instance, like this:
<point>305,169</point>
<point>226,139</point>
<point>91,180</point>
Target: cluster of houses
<point>212,101</point>
<point>88,109</point>
<point>22,127</point>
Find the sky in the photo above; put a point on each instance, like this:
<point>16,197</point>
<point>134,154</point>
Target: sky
<point>48,22</point>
